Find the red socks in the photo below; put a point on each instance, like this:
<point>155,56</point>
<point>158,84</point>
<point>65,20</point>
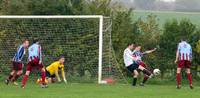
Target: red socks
<point>43,76</point>
<point>25,78</point>
<point>190,78</point>
<point>145,79</point>
<point>178,78</point>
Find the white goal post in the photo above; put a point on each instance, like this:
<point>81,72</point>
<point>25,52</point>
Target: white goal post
<point>101,20</point>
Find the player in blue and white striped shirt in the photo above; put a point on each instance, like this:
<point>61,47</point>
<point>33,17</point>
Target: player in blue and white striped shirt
<point>17,63</point>
<point>35,61</point>
<point>183,60</point>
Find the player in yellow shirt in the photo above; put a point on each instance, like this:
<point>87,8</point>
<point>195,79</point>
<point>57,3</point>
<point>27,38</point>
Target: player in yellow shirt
<point>53,69</point>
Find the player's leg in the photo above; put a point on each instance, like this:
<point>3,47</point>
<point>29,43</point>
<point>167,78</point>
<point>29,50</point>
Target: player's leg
<point>144,80</point>
<point>13,72</point>
<point>181,65</point>
<point>145,71</point>
<point>135,76</point>
<point>145,76</point>
<point>178,78</point>
<point>18,73</point>
<point>25,77</point>
<point>133,70</point>
<point>43,75</point>
<point>189,75</point>
<point>43,71</point>
<point>50,78</point>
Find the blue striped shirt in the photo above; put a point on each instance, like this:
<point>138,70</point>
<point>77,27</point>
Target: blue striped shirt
<point>19,54</point>
<point>35,52</point>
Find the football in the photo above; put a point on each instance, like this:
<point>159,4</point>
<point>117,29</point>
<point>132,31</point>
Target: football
<point>156,71</point>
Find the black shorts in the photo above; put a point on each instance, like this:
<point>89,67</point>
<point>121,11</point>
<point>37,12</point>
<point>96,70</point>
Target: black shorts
<point>132,67</point>
<point>49,75</point>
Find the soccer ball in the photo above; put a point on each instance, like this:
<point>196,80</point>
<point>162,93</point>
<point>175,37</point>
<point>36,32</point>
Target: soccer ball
<point>39,81</point>
<point>156,72</point>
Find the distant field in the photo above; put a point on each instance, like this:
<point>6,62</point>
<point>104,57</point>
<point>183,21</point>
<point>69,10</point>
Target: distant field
<point>165,15</point>
<point>97,91</point>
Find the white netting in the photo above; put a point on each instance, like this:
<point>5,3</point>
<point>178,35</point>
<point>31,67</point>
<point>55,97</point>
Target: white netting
<point>75,38</point>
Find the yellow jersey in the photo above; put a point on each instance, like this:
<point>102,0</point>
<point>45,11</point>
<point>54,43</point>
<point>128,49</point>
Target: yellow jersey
<point>55,66</point>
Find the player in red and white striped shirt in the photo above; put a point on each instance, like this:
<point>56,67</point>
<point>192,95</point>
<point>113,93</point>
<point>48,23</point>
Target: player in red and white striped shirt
<point>183,59</point>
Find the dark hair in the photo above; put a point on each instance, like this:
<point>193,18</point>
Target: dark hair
<point>25,40</point>
<point>138,45</point>
<point>35,40</point>
<point>62,56</point>
<point>183,38</point>
<point>131,44</point>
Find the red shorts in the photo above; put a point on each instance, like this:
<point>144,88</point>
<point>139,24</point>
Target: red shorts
<point>142,64</point>
<point>17,66</point>
<point>184,64</point>
<point>34,64</point>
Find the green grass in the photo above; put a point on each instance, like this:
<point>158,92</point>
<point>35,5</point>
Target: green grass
<point>98,91</point>
<point>163,16</point>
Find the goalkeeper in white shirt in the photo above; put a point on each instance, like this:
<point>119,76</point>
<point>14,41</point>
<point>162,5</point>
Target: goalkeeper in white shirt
<point>131,65</point>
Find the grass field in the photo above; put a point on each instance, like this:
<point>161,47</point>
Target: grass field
<point>163,16</point>
<point>97,91</point>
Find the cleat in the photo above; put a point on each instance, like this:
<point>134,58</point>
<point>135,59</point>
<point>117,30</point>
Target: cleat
<point>178,87</point>
<point>191,87</point>
<point>151,76</point>
<point>23,86</point>
<point>15,83</point>
<point>43,85</point>
<point>7,81</point>
<point>141,84</point>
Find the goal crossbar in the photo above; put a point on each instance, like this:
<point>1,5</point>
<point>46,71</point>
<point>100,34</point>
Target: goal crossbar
<point>50,16</point>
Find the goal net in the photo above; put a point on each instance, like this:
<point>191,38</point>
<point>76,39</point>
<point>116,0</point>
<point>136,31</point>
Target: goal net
<point>85,41</point>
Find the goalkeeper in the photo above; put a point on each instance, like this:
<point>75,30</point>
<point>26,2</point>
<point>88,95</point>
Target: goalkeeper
<point>53,69</point>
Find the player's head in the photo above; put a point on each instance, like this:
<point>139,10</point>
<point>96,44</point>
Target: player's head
<point>62,59</point>
<point>138,47</point>
<point>131,46</point>
<point>26,43</point>
<point>183,38</point>
<point>36,40</point>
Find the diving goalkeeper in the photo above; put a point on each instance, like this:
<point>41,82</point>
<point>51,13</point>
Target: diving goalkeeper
<point>52,71</point>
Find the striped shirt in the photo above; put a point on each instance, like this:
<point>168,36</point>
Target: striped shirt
<point>185,51</point>
<point>35,52</point>
<point>19,54</point>
<point>138,55</point>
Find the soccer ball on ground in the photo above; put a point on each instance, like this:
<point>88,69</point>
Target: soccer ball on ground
<point>156,72</point>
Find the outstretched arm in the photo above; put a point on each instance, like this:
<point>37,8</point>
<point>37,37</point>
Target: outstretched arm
<point>150,51</point>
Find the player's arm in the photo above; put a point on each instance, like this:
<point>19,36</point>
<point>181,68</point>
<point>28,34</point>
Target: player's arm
<point>190,53</point>
<point>63,75</point>
<point>40,54</point>
<point>177,55</point>
<point>150,51</point>
<point>57,75</point>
